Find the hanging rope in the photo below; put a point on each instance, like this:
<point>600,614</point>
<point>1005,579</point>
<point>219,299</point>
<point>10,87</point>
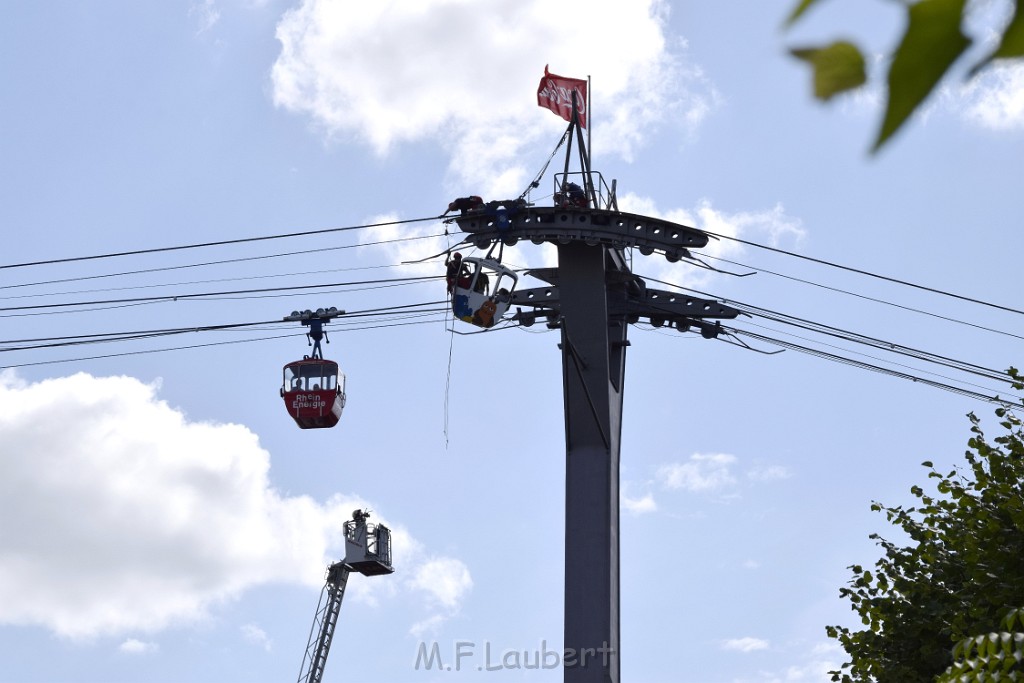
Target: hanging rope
<point>448,377</point>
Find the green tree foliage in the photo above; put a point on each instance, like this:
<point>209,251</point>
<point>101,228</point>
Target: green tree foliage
<point>932,43</point>
<point>990,656</point>
<point>960,575</point>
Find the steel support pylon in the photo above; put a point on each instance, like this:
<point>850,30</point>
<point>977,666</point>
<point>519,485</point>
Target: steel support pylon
<point>593,369</point>
<point>592,296</point>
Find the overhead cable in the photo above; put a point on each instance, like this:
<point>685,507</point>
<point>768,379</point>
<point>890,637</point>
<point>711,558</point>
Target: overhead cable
<point>28,344</point>
<point>218,243</point>
<point>860,271</point>
<point>199,295</point>
<point>863,296</point>
<point>874,368</point>
<point>855,337</point>
<point>209,344</point>
<point>221,262</point>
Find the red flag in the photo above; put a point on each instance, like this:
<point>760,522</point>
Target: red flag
<point>555,93</point>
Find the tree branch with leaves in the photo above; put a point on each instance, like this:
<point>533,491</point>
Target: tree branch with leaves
<point>961,574</point>
<point>933,42</point>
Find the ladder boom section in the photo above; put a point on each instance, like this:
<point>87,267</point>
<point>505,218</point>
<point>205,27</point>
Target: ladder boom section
<point>322,632</point>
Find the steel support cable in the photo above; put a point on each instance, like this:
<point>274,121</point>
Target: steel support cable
<point>109,339</point>
<point>910,352</point>
<point>389,309</point>
<point>339,324</point>
<point>384,325</point>
<point>858,364</point>
<point>217,243</point>
<point>536,181</point>
<point>374,287</point>
<point>99,338</point>
<point>861,296</point>
<point>145,351</point>
<point>198,282</point>
<point>211,263</point>
<point>77,310</point>
<point>853,363</point>
<point>198,346</point>
<point>869,366</point>
<point>952,363</point>
<point>855,337</point>
<point>176,297</point>
<point>860,271</point>
<point>88,342</point>
<point>205,297</point>
<point>877,358</point>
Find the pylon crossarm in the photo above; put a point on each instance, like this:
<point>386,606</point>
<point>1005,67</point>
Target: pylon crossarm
<point>538,297</point>
<point>591,226</point>
<point>656,305</point>
<point>655,302</point>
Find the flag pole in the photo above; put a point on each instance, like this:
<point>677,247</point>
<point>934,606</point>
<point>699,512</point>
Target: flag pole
<point>590,118</point>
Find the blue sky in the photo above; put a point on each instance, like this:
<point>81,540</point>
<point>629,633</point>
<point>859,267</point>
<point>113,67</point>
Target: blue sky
<point>164,520</point>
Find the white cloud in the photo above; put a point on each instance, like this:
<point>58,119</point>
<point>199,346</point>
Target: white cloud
<point>701,473</point>
<point>769,473</point>
<point>131,517</point>
<point>428,625</point>
<point>995,98</point>
<point>206,14</point>
<point>445,582</point>
<point>257,636</point>
<point>445,579</point>
<point>407,243</point>
<point>814,668</point>
<point>713,473</point>
<point>638,506</point>
<point>745,644</point>
<point>465,73</point>
<point>137,647</point>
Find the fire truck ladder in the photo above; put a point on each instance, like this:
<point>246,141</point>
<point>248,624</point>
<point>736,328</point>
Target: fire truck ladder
<point>367,551</point>
<point>322,632</point>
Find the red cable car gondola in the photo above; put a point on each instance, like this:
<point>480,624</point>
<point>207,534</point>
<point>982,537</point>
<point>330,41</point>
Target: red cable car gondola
<point>314,392</point>
<point>313,388</point>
